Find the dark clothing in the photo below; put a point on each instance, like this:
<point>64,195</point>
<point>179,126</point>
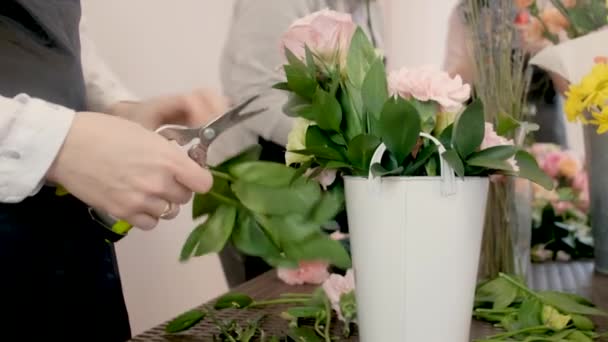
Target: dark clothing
<point>60,279</point>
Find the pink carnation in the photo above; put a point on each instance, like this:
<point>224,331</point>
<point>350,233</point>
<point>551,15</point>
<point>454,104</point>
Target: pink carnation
<point>325,178</point>
<point>327,33</point>
<point>428,83</point>
<point>335,286</point>
<point>551,163</point>
<point>309,272</point>
<point>492,139</point>
<point>580,181</point>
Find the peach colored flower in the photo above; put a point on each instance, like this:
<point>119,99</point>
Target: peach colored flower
<point>335,286</point>
<point>554,20</point>
<point>521,4</point>
<point>569,166</point>
<point>326,32</point>
<point>583,201</point>
<point>569,3</point>
<point>309,272</point>
<point>491,139</point>
<point>600,59</point>
<point>428,83</point>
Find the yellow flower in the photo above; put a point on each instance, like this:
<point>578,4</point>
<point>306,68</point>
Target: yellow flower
<point>591,92</point>
<point>553,319</point>
<point>296,140</point>
<point>601,120</point>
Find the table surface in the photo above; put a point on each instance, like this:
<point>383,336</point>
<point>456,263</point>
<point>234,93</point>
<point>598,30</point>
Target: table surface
<point>576,277</point>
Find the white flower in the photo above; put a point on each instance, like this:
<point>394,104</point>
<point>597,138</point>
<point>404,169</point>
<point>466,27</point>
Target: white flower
<point>296,140</point>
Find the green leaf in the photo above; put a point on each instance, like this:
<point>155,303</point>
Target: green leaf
<point>583,323</point>
<point>488,292</point>
<point>290,228</point>
<point>446,136</point>
<point>361,149</point>
<point>428,113</point>
<point>529,314</point>
<point>233,300</point>
<point>335,165</point>
<point>399,127</point>
<point>321,152</point>
<point>379,171</point>
<point>304,334</point>
<point>318,247</point>
<point>352,106</point>
<point>300,82</point>
<point>529,169</point>
<point>577,336</point>
<point>453,159</point>
<point>217,230</point>
<point>310,60</point>
<point>374,90</point>
<point>281,86</point>
<point>185,321</point>
<point>506,124</point>
<point>263,173</point>
<point>338,138</point>
<point>492,158</point>
<point>568,305</point>
<point>330,205</point>
<point>361,55</point>
<point>326,110</point>
<point>251,153</point>
<point>505,298</point>
<point>249,238</point>
<point>297,106</point>
<point>299,198</point>
<point>191,243</point>
<point>204,204</point>
<point>316,137</point>
<point>469,129</point>
<point>421,159</point>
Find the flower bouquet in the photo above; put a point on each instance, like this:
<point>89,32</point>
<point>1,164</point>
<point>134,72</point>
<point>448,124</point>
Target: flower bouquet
<point>561,224</point>
<point>414,161</point>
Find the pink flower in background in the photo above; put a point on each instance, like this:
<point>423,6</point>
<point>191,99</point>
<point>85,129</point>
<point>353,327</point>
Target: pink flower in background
<point>580,182</point>
<point>326,178</point>
<point>335,286</point>
<point>561,207</point>
<point>523,3</point>
<point>551,163</point>
<point>555,21</point>
<point>309,272</point>
<point>583,201</point>
<point>428,83</point>
<point>491,139</point>
<point>327,33</point>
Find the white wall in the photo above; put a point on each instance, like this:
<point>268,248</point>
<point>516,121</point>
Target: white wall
<point>160,46</point>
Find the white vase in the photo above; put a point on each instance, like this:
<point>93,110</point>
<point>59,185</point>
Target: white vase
<point>415,245</point>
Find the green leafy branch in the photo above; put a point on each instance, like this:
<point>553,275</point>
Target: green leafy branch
<point>529,315</point>
<point>266,210</point>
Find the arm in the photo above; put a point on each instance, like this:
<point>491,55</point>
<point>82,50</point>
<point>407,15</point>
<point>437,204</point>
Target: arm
<point>32,132</point>
<point>457,58</point>
<point>252,60</point>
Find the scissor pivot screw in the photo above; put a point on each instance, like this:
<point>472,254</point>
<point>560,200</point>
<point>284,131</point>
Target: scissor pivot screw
<point>209,133</point>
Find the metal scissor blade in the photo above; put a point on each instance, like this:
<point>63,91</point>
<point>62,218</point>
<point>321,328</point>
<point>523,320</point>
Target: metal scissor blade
<point>228,119</point>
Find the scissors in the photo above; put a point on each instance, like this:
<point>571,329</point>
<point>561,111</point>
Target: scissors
<point>206,134</point>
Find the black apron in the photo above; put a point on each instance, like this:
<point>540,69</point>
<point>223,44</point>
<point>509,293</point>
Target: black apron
<point>59,277</point>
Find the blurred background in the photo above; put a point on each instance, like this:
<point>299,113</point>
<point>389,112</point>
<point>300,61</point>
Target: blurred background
<point>161,46</point>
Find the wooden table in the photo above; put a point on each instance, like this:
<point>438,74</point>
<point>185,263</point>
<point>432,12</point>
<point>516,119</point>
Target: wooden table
<point>575,277</point>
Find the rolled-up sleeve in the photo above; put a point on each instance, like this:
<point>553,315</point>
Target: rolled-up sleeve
<point>32,132</point>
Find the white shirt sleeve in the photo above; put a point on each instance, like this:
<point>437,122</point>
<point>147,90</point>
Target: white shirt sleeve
<point>32,131</point>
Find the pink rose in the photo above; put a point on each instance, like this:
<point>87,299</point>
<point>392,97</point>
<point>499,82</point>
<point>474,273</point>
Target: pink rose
<point>335,286</point>
<point>428,83</point>
<point>551,163</point>
<point>327,33</point>
<point>309,272</point>
<point>492,139</point>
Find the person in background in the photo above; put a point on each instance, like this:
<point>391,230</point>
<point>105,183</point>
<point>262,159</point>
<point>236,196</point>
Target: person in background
<point>251,64</point>
<point>66,120</point>
<point>544,89</point>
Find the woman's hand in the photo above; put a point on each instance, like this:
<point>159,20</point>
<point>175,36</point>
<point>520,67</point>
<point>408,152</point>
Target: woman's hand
<point>126,170</point>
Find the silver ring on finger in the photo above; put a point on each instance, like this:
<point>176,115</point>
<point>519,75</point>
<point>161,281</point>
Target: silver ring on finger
<point>167,211</point>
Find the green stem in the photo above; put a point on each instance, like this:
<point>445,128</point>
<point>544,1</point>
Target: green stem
<point>495,311</point>
<point>222,175</point>
<point>318,328</point>
<point>279,301</point>
<point>327,321</point>
<point>517,332</point>
<point>296,295</point>
<point>223,198</point>
<point>519,286</point>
